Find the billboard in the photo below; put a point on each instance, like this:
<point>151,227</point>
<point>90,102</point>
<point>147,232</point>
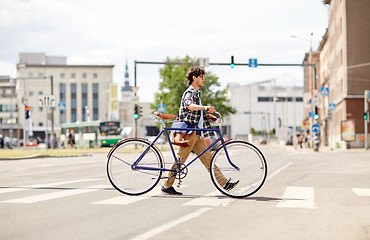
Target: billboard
<point>348,130</point>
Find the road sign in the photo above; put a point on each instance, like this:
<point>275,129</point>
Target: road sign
<point>61,106</point>
<point>332,106</point>
<point>316,128</point>
<point>324,91</point>
<point>46,101</point>
<point>161,108</point>
<point>253,62</point>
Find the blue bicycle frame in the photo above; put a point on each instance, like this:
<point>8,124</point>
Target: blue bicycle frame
<point>166,129</point>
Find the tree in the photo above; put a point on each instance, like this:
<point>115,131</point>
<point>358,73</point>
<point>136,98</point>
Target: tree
<point>174,83</point>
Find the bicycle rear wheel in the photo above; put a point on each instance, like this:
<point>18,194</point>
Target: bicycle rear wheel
<point>250,168</point>
<point>133,181</point>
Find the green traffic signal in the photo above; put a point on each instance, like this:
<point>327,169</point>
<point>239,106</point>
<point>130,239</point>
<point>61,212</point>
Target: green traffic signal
<point>316,116</point>
<point>232,64</point>
<point>136,116</point>
<point>365,116</point>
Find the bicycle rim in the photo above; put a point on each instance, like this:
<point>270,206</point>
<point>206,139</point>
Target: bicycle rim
<point>251,172</point>
<point>123,177</point>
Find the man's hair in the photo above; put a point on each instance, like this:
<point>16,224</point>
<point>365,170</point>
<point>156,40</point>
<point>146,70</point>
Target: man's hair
<point>194,71</point>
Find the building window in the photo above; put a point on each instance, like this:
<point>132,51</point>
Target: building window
<point>73,75</point>
<point>30,93</point>
<point>73,102</point>
<point>95,112</point>
<point>84,100</point>
<point>40,124</point>
<point>41,75</point>
<point>95,75</point>
<point>40,109</point>
<point>62,98</point>
<point>41,92</point>
<point>62,75</point>
<point>299,99</point>
<point>84,75</point>
<point>264,99</point>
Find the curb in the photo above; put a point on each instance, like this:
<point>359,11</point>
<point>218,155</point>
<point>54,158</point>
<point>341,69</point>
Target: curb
<point>44,156</point>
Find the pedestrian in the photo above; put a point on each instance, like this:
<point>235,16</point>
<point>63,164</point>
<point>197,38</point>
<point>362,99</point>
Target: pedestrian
<point>72,137</point>
<point>1,141</point>
<point>192,113</point>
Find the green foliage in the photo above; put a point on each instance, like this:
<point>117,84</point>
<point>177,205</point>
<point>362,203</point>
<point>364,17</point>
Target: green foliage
<point>174,83</point>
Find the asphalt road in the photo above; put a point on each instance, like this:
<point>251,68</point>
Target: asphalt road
<point>307,195</point>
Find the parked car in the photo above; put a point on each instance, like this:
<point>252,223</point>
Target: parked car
<point>31,142</point>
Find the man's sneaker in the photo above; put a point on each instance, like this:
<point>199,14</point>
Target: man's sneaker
<point>229,185</point>
<point>170,190</point>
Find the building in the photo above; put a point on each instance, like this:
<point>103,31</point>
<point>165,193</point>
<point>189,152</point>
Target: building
<point>74,88</point>
<point>8,108</point>
<point>257,110</point>
<point>344,70</point>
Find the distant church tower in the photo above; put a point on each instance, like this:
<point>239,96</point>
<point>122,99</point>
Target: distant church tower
<point>126,91</point>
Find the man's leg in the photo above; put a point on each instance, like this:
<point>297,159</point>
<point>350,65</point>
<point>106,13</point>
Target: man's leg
<point>206,158</point>
<point>183,154</point>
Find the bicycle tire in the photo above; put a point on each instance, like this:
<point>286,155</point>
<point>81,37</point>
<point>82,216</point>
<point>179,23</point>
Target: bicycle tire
<point>128,180</point>
<point>252,170</point>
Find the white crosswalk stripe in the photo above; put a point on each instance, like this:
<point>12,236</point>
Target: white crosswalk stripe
<point>362,192</point>
<point>53,195</point>
<point>46,185</point>
<point>298,197</point>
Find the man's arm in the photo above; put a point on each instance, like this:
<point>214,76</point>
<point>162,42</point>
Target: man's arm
<point>195,107</point>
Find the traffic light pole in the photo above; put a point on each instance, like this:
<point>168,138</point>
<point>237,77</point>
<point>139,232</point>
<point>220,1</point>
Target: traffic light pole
<point>366,121</point>
<point>233,64</point>
<point>52,109</point>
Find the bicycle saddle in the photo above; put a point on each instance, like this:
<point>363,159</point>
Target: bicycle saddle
<point>165,116</point>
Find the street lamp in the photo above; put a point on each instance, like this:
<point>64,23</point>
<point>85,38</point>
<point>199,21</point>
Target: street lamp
<point>306,39</point>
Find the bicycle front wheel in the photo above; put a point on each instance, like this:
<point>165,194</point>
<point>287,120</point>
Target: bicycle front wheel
<point>129,180</point>
<point>245,164</point>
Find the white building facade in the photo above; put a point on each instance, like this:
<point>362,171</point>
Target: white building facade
<point>74,88</point>
<point>257,110</point>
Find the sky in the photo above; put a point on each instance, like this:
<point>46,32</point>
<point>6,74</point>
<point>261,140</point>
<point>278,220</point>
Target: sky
<point>113,32</point>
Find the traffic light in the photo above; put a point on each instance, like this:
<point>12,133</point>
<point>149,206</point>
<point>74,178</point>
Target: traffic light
<point>27,112</point>
<point>140,111</point>
<point>136,112</point>
<point>316,116</point>
<point>232,64</point>
<point>366,116</point>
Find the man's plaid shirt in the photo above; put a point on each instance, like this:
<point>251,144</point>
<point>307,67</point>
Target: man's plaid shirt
<point>191,95</point>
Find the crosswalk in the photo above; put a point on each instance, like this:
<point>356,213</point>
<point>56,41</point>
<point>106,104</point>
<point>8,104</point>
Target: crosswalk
<point>292,197</point>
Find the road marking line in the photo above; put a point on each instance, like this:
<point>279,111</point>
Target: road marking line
<point>362,192</point>
<point>278,171</point>
<point>298,197</point>
<point>211,200</point>
<point>7,190</point>
<point>127,199</point>
<point>53,195</point>
<point>171,224</point>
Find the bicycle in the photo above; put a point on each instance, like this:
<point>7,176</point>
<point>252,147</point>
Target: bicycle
<point>135,165</point>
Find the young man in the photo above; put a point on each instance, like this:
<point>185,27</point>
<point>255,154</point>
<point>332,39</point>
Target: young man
<point>192,113</point>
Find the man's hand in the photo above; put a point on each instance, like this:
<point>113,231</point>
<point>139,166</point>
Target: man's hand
<point>211,109</point>
<point>211,117</point>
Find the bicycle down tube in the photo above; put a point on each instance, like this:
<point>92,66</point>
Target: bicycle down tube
<point>220,138</point>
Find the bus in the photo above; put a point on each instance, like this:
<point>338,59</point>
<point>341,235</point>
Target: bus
<point>92,134</point>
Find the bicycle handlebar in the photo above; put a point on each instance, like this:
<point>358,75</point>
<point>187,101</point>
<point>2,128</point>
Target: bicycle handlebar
<point>158,117</point>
